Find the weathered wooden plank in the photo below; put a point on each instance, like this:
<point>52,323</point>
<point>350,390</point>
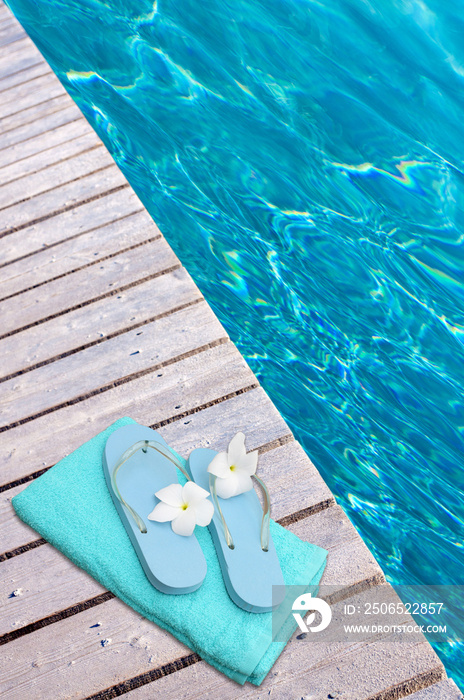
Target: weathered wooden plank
<point>347,670</point>
<point>85,217</point>
<point>117,668</point>
<point>49,203</point>
<point>16,158</point>
<point>125,355</point>
<point>88,325</point>
<point>445,690</point>
<point>24,75</point>
<point>10,36</point>
<point>217,372</point>
<point>8,23</point>
<point>13,532</point>
<point>69,661</point>
<point>27,95</point>
<point>282,468</point>
<point>23,46</point>
<point>5,13</point>
<point>88,284</point>
<point>74,141</point>
<point>6,18</point>
<point>53,584</point>
<point>352,566</point>
<point>87,249</point>
<point>42,125</point>
<point>50,582</point>
<point>28,448</point>
<point>31,114</point>
<point>57,175</point>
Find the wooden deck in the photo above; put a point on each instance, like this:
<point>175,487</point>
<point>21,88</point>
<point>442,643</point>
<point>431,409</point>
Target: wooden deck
<point>89,293</point>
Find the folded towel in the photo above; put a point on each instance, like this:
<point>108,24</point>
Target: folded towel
<point>70,506</point>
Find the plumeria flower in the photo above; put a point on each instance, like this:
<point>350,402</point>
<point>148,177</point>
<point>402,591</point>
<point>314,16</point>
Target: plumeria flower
<point>234,468</point>
<point>185,506</point>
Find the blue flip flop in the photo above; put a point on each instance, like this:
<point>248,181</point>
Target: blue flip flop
<point>240,526</point>
<point>138,464</point>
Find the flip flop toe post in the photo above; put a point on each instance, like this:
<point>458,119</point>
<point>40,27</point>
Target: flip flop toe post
<point>137,465</point>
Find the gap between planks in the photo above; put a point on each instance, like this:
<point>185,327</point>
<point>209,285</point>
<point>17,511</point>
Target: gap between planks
<point>70,225</point>
<point>184,666</point>
<point>68,140</point>
<point>427,666</point>
<point>61,210</point>
<point>39,68</point>
<point>96,261</point>
<point>77,166</point>
<point>329,528</point>
<point>98,169</point>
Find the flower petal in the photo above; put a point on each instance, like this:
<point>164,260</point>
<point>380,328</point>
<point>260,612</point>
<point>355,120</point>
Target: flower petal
<point>243,483</point>
<point>226,488</point>
<point>219,465</point>
<point>171,494</point>
<point>236,450</point>
<point>204,512</point>
<point>184,524</point>
<point>162,513</point>
<point>193,494</point>
<point>248,463</point>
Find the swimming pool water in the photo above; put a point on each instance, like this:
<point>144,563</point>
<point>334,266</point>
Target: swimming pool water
<point>305,161</point>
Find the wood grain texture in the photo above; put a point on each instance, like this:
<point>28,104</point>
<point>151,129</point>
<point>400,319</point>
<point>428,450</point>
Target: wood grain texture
<point>68,660</point>
<point>20,152</point>
<point>13,532</point>
<point>37,91</point>
<point>95,322</point>
<point>316,670</point>
<point>24,75</point>
<point>41,125</point>
<point>76,253</point>
<point>27,448</point>
<point>10,37</point>
<point>13,59</point>
<point>83,286</point>
<point>117,623</point>
<point>69,195</point>
<point>69,143</point>
<point>31,114</point>
<point>125,355</point>
<point>84,217</point>
<point>58,174</point>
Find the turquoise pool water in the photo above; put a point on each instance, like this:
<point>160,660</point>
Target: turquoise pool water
<point>305,161</point>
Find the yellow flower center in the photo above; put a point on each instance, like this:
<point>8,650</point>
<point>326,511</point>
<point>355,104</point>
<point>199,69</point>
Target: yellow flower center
<point>232,467</point>
<point>184,506</point>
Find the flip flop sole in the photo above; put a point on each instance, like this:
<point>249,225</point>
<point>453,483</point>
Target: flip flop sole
<point>172,563</point>
<point>249,573</point>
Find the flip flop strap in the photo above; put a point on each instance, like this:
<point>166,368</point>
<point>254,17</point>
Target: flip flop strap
<point>130,452</point>
<point>264,522</point>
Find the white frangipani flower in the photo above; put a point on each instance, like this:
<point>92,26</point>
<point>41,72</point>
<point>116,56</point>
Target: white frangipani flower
<point>185,506</point>
<point>234,468</point>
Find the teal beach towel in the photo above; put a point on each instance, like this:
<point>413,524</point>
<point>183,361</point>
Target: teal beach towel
<point>70,506</point>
